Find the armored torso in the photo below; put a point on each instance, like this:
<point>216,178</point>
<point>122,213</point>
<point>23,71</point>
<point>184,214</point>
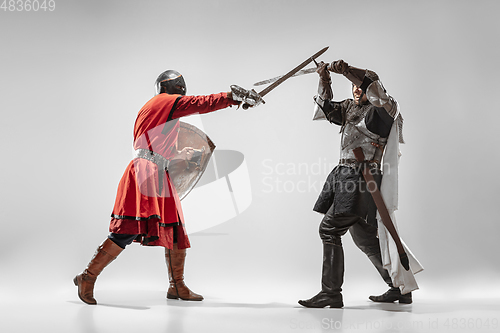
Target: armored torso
<point>356,134</point>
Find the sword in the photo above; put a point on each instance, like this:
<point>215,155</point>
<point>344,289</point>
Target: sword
<point>301,72</point>
<point>281,79</point>
<point>382,208</point>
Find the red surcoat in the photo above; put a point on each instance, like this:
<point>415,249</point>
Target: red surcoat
<point>147,203</point>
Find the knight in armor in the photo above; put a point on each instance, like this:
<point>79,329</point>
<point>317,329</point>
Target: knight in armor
<point>365,121</point>
<point>147,207</point>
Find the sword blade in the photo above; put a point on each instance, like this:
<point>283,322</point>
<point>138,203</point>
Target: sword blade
<point>292,72</point>
<point>301,72</point>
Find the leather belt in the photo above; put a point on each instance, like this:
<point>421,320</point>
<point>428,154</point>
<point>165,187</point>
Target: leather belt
<point>156,158</point>
<point>354,162</point>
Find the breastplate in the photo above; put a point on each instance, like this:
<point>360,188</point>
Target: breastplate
<point>356,134</point>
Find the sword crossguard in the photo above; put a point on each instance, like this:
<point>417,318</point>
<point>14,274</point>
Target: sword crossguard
<point>315,62</point>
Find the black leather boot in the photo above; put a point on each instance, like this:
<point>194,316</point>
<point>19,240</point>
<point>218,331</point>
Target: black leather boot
<point>322,299</point>
<point>331,280</point>
<point>392,295</point>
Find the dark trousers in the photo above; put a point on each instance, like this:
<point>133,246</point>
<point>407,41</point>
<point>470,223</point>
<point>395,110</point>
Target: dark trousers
<point>122,240</point>
<point>364,235</point>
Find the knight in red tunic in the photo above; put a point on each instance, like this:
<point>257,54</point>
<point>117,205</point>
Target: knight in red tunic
<point>147,207</point>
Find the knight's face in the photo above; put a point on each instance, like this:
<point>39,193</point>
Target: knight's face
<point>179,89</point>
<point>358,95</point>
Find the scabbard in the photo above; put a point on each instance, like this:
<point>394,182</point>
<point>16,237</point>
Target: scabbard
<point>371,184</point>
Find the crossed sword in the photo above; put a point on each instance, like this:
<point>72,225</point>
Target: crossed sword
<point>358,152</point>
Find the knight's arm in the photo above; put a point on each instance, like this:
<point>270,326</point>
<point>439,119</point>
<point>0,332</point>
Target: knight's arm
<point>324,107</point>
<point>378,96</point>
<point>370,83</point>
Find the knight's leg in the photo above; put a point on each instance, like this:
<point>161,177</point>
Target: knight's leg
<point>331,230</point>
<point>365,238</point>
<point>104,255</point>
<point>175,259</point>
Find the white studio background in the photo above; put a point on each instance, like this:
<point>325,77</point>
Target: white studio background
<point>73,79</point>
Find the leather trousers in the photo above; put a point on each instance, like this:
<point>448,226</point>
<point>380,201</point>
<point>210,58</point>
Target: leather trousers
<point>331,230</point>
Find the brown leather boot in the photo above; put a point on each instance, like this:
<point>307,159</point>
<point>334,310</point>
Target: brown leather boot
<point>175,265</point>
<point>105,253</point>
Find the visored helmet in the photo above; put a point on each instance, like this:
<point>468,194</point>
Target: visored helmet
<point>170,82</point>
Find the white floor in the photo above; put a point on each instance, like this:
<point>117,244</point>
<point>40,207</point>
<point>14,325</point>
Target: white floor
<point>148,311</point>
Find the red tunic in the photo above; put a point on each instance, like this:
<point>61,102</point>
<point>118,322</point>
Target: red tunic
<point>147,203</point>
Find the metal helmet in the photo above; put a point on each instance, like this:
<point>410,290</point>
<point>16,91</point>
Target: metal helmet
<point>170,82</point>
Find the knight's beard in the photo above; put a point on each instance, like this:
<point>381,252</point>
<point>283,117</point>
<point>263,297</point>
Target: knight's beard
<point>358,100</point>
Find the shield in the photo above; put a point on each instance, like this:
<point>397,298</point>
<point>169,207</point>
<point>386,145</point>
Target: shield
<point>186,174</point>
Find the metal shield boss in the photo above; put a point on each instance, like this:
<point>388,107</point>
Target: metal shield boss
<point>186,174</point>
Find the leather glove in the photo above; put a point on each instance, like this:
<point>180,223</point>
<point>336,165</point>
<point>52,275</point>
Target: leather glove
<point>339,67</point>
<point>324,86</point>
<point>353,74</point>
<point>323,72</point>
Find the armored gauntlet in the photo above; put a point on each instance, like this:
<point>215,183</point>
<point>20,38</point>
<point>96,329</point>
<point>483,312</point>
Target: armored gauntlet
<point>247,97</point>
